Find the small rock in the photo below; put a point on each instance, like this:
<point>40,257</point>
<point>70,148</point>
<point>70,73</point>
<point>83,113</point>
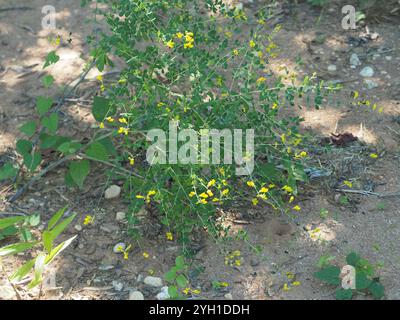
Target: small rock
<point>228,296</point>
<point>153,281</point>
<point>367,72</point>
<point>118,286</point>
<point>109,228</point>
<point>371,84</point>
<point>354,60</point>
<point>136,295</point>
<point>106,267</point>
<point>332,68</point>
<point>120,216</point>
<point>163,295</point>
<point>78,227</point>
<point>388,58</point>
<point>119,245</point>
<point>112,192</point>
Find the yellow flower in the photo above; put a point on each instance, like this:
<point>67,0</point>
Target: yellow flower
<point>179,35</point>
<point>303,154</point>
<point>224,284</point>
<point>215,200</point>
<point>225,192</point>
<point>145,255</point>
<point>169,235</point>
<point>126,254</point>
<point>264,190</point>
<point>88,220</point>
<point>291,199</point>
<point>150,272</point>
<point>224,182</point>
<point>348,183</point>
<point>287,189</point>
<point>202,201</point>
<point>373,155</point>
<point>254,201</point>
<point>99,77</point>
<point>138,196</point>
<point>123,130</point>
<point>192,194</point>
<point>196,291</point>
<point>262,196</point>
<point>188,45</point>
<point>283,138</point>
<point>261,80</point>
<point>296,283</point>
<point>250,184</point>
<point>356,94</point>
<point>286,287</point>
<point>228,34</point>
<point>260,54</point>
<point>131,161</point>
<point>252,44</point>
<point>238,262</point>
<point>271,186</point>
<point>222,171</point>
<point>110,119</point>
<point>297,208</point>
<point>211,183</point>
<point>203,195</point>
<point>123,120</point>
<point>235,52</point>
<point>186,291</point>
<point>170,44</point>
<point>261,21</point>
<point>151,193</point>
<point>160,104</point>
<point>209,192</point>
<point>101,125</point>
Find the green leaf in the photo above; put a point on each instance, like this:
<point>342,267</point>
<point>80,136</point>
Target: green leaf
<point>23,270</point>
<point>181,281</point>
<point>344,294</point>
<point>57,250</point>
<point>55,218</point>
<point>173,292</point>
<point>32,161</point>
<point>51,58</point>
<point>24,147</point>
<point>97,151</point>
<point>180,262</point>
<point>377,290</point>
<point>69,147</point>
<point>48,80</point>
<point>39,268</point>
<point>101,108</point>
<point>47,239</point>
<point>170,276</point>
<point>43,104</point>
<point>51,123</point>
<point>79,171</point>
<point>26,235</point>
<point>16,248</point>
<point>34,220</point>
<point>352,259</point>
<point>329,274</point>
<point>7,171</point>
<point>324,260</point>
<point>362,282</point>
<point>7,222</point>
<point>9,231</point>
<point>28,128</point>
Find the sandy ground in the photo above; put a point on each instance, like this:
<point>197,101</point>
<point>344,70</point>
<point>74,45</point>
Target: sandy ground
<point>366,224</point>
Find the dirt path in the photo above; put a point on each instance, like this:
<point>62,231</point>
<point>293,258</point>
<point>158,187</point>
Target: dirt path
<point>327,224</point>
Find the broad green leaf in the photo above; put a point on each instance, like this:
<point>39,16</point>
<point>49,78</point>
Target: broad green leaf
<point>173,292</point>
<point>362,282</point>
<point>55,232</point>
<point>47,239</point>
<point>23,270</point>
<point>353,259</point>
<point>97,151</point>
<point>7,171</point>
<point>377,290</point>
<point>180,262</point>
<point>51,123</point>
<point>79,171</point>
<point>329,274</point>
<point>6,222</point>
<point>55,218</point>
<point>101,108</point>
<point>51,58</point>
<point>16,248</point>
<point>9,231</point>
<point>32,162</point>
<point>69,147</point>
<point>170,276</point>
<point>181,281</point>
<point>28,128</point>
<point>26,235</point>
<point>43,104</point>
<point>48,80</point>
<point>57,250</point>
<point>34,220</point>
<point>344,294</point>
<point>24,147</point>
